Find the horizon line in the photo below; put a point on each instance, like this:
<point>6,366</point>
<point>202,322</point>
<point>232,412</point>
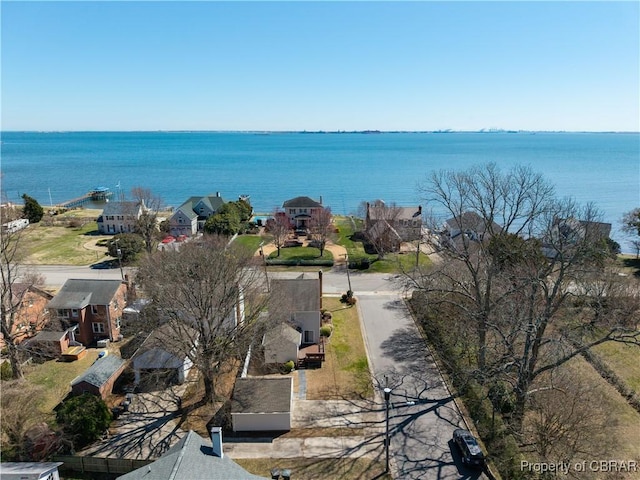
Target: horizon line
<point>320,131</point>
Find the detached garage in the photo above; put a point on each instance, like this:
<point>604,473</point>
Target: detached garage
<point>262,404</point>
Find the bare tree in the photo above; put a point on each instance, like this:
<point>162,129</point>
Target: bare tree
<point>380,227</point>
<point>514,276</point>
<point>569,420</point>
<point>210,297</point>
<point>279,228</point>
<point>20,412</point>
<point>13,291</point>
<point>147,223</point>
<point>321,227</point>
<point>631,226</point>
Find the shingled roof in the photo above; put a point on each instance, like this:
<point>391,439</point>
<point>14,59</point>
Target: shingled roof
<point>262,395</point>
<point>76,293</point>
<point>191,458</point>
<point>301,202</point>
<point>101,371</point>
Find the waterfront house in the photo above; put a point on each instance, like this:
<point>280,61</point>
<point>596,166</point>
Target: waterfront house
<point>189,218</point>
<point>471,225</point>
<point>31,314</point>
<point>390,225</point>
<point>95,306</point>
<point>299,211</point>
<point>120,217</point>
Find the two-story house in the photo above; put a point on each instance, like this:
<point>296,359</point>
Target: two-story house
<point>120,217</point>
<point>189,218</point>
<point>95,306</point>
<point>299,210</point>
<point>392,223</point>
<point>30,314</point>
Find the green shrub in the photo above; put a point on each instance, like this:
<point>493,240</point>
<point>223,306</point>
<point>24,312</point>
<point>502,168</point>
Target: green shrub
<point>289,366</point>
<point>326,330</point>
<point>84,418</point>
<point>5,371</point>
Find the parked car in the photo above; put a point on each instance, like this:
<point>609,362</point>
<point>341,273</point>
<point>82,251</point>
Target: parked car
<point>469,448</point>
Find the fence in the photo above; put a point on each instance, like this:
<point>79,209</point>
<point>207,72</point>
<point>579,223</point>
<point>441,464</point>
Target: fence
<point>98,464</point>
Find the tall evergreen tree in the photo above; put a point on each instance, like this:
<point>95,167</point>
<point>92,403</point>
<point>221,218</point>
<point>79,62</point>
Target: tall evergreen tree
<point>32,210</point>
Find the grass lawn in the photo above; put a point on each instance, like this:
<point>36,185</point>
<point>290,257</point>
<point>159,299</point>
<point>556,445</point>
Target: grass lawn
<point>345,372</point>
<point>301,253</point>
<point>62,245</point>
<point>56,378</point>
<point>391,263</point>
<point>311,469</point>
<point>624,360</point>
<point>251,242</point>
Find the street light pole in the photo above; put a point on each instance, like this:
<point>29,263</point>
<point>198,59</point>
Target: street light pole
<point>119,253</point>
<point>264,263</point>
<point>387,395</point>
<point>346,260</point>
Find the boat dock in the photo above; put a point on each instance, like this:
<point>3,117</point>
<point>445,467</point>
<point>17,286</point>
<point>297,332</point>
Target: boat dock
<point>97,194</point>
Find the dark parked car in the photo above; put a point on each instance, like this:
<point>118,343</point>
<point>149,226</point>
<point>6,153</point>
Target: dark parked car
<point>469,448</point>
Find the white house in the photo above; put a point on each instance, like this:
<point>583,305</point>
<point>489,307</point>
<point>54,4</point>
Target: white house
<point>189,218</point>
<point>120,217</point>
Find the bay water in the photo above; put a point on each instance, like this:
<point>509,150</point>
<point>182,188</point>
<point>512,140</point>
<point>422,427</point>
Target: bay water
<point>344,169</point>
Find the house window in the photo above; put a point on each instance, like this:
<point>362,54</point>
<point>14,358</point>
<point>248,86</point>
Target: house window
<point>94,309</point>
<point>308,336</point>
<point>74,312</point>
<point>97,327</point>
<point>63,313</point>
<point>118,322</point>
<point>292,211</point>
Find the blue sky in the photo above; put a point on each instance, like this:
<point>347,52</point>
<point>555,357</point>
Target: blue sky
<point>320,66</point>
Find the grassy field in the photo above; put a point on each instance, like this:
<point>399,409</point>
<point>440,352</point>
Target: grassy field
<point>67,239</point>
<point>345,372</point>
<point>624,360</point>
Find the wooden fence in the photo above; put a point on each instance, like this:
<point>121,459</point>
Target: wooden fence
<point>99,464</point>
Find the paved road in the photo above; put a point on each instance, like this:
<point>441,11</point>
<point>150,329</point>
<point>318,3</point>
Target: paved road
<point>423,414</point>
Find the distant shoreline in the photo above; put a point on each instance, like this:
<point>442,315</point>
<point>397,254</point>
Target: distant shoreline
<point>335,132</point>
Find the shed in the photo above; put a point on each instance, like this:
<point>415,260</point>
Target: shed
<point>262,404</point>
<point>281,344</point>
<point>99,378</point>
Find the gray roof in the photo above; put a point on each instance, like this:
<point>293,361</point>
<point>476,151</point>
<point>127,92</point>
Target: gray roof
<point>121,208</point>
<point>158,352</point>
<point>262,395</point>
<point>301,202</point>
<point>282,333</point>
<point>473,222</point>
<point>101,371</point>
<point>76,293</point>
<point>47,336</point>
<point>212,201</point>
<point>192,458</point>
<point>393,213</point>
<point>303,293</point>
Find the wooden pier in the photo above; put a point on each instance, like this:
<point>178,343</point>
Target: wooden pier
<point>97,194</point>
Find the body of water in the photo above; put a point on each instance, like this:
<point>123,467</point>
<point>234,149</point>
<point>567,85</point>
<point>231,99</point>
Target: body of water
<point>344,169</point>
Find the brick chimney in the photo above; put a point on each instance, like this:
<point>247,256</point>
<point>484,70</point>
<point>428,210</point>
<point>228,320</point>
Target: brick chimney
<point>216,441</point>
